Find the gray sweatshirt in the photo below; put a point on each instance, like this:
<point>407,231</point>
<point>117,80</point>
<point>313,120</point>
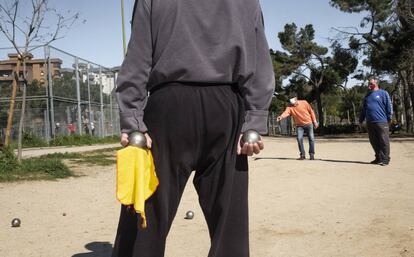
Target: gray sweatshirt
<point>208,41</point>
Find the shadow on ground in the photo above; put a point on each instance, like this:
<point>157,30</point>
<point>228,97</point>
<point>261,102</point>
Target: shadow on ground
<point>294,159</point>
<point>96,249</point>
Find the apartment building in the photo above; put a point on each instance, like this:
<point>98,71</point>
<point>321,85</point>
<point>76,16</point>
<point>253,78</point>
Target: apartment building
<point>36,68</point>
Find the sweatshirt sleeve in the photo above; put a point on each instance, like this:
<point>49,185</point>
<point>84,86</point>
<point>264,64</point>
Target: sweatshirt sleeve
<point>286,113</point>
<point>259,92</point>
<point>133,76</point>
<point>388,106</point>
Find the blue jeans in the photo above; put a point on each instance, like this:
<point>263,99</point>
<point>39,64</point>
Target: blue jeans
<point>300,130</point>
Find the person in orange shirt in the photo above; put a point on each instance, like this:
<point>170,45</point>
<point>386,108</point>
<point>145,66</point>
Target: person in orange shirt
<point>305,120</point>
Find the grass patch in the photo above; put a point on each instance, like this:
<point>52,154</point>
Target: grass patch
<point>100,160</point>
<point>32,168</point>
<point>64,155</point>
<point>50,166</point>
<point>46,168</point>
<point>101,157</point>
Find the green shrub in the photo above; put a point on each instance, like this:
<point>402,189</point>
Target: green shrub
<point>8,160</point>
<point>82,140</point>
<point>342,129</point>
<point>31,140</point>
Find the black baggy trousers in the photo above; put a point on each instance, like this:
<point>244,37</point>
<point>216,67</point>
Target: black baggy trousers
<point>193,128</point>
<point>380,140</point>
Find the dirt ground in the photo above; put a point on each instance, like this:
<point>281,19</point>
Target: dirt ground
<point>335,206</point>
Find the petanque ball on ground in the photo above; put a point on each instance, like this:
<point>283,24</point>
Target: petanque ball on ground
<point>250,136</point>
<point>137,139</point>
<point>189,215</point>
<point>16,223</point>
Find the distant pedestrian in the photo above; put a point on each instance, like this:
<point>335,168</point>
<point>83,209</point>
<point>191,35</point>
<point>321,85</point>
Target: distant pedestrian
<point>86,125</point>
<point>86,128</point>
<point>395,127</point>
<point>377,111</point>
<point>71,129</point>
<point>57,128</point>
<point>92,128</point>
<point>305,121</point>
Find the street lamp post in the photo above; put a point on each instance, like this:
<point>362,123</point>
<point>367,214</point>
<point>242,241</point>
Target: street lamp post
<point>123,27</point>
<point>89,97</point>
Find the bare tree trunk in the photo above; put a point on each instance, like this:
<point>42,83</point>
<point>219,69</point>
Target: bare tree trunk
<point>12,104</point>
<point>410,86</point>
<point>407,102</point>
<point>409,116</point>
<point>320,110</point>
<point>348,117</point>
<point>22,113</point>
<point>408,99</point>
<point>396,102</point>
<point>401,98</point>
<point>355,115</point>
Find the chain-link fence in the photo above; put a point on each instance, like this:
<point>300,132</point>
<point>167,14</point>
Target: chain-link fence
<point>66,95</point>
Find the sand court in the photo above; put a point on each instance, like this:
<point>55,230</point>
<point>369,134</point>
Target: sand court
<point>337,205</point>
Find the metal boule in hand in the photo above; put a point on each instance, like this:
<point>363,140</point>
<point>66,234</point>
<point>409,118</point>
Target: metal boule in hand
<point>189,215</point>
<point>250,136</point>
<point>137,139</point>
<point>16,223</point>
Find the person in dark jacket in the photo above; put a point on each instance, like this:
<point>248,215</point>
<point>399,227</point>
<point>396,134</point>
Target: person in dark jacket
<point>197,75</point>
<point>377,111</point>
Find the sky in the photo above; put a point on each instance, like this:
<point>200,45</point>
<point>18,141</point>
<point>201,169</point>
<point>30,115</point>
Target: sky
<point>99,38</point>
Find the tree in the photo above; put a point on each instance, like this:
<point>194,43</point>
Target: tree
<point>351,103</point>
<point>304,58</point>
<point>25,32</point>
<point>386,37</point>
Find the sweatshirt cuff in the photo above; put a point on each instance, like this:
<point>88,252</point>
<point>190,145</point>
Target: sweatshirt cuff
<point>132,121</point>
<point>256,120</point>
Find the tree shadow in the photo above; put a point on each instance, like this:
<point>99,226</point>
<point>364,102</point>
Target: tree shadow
<point>294,159</point>
<point>344,161</point>
<point>274,158</point>
<point>97,249</point>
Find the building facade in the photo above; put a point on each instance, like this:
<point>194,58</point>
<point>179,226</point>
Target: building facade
<point>36,68</point>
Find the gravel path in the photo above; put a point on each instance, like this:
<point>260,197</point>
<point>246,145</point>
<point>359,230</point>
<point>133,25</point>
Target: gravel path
<point>35,152</point>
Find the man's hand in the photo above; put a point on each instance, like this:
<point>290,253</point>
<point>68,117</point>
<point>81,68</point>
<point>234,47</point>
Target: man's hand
<point>125,141</point>
<point>149,140</point>
<point>248,148</point>
<point>279,118</point>
<point>315,124</point>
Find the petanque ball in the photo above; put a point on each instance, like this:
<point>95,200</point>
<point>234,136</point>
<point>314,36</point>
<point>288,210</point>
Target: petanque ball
<point>137,139</point>
<point>250,136</point>
<point>16,223</point>
<point>189,215</point>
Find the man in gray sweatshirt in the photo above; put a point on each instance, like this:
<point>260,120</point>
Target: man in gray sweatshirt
<point>207,70</point>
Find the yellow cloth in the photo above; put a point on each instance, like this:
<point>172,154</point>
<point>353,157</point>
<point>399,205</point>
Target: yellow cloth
<point>136,178</point>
